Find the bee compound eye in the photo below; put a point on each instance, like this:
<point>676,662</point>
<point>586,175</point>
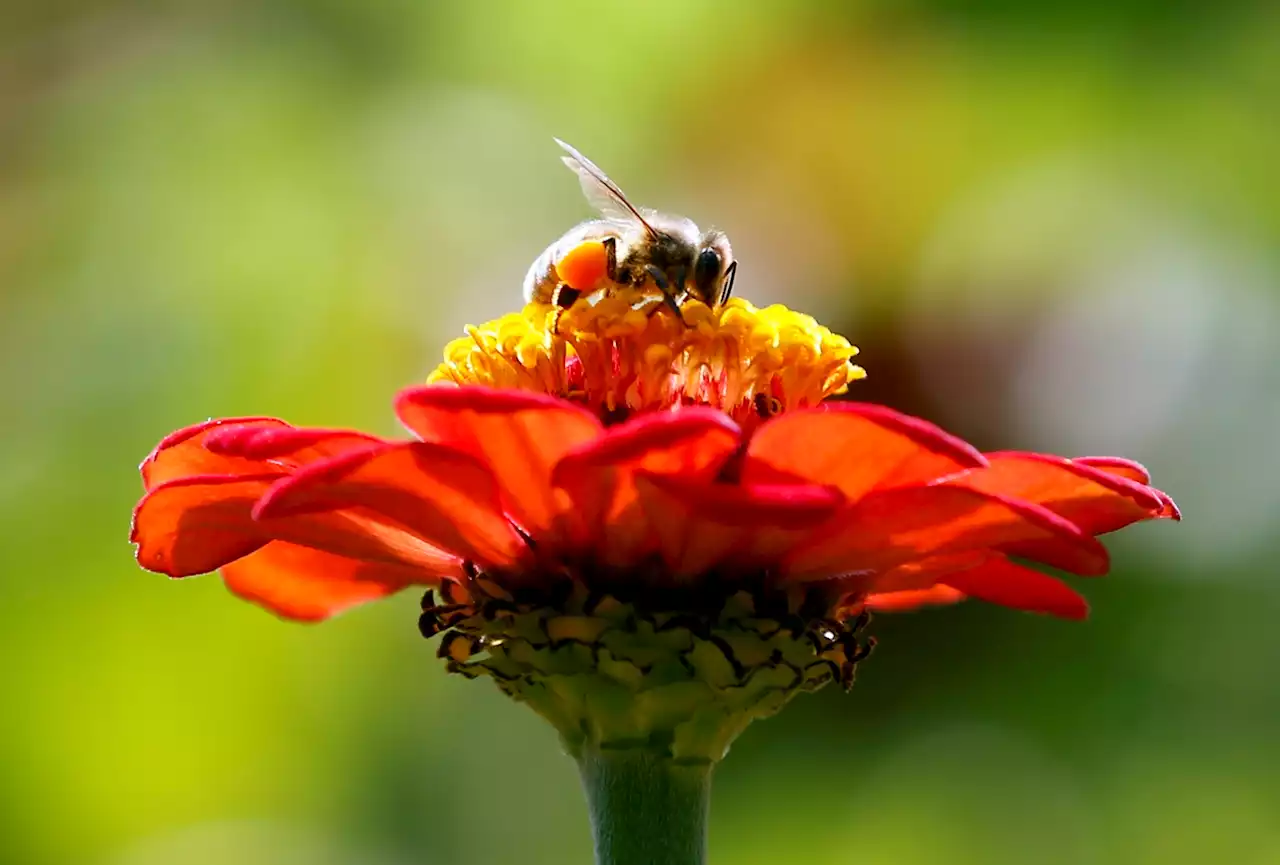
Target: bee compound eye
<point>706,270</point>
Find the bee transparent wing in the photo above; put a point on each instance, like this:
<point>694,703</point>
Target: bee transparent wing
<point>601,192</point>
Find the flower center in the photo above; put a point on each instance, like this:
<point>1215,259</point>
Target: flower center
<point>627,352</point>
<point>614,674</point>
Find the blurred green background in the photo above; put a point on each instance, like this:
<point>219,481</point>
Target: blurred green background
<point>1049,226</point>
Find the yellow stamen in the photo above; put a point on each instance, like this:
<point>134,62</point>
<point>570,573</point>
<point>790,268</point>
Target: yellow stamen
<point>627,352</point>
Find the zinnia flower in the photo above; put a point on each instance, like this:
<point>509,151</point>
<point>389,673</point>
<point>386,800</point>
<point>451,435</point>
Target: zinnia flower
<point>651,531</point>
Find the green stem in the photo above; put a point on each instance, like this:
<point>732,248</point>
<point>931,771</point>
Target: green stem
<point>645,809</point>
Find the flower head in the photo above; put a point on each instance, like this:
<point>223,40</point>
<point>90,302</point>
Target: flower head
<point>626,353</point>
<point>646,528</point>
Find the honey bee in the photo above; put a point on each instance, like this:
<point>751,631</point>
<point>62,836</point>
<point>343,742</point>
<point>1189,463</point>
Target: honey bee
<point>630,246</point>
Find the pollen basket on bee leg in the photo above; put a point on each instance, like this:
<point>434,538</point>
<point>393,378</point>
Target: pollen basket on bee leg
<point>585,267</point>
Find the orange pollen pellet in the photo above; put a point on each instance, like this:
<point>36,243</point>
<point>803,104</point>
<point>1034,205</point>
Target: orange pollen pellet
<point>584,267</point>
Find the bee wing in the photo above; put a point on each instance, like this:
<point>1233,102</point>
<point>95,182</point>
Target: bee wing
<point>601,192</point>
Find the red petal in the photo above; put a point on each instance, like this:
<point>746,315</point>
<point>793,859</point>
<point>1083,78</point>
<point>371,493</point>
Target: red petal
<point>912,599</point>
<point>296,446</point>
<point>441,495</point>
<point>357,533</point>
<point>1135,472</point>
<point>701,525</point>
<point>1168,508</point>
<point>600,476</point>
<point>309,585</point>
<point>195,525</point>
<point>856,447</point>
<point>1117,466</point>
<point>891,527</point>
<point>1000,581</point>
<point>690,440</point>
<point>917,575</point>
<point>183,453</point>
<point>198,524</point>
<point>1096,501</point>
<point>240,446</point>
<point>518,434</point>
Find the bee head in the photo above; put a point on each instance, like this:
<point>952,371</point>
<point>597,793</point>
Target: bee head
<point>713,269</point>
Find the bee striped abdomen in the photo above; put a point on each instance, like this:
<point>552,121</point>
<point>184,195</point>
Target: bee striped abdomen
<point>579,259</point>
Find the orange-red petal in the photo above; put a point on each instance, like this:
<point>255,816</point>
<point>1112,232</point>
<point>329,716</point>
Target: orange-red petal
<point>241,446</point>
<point>1135,472</point>
<point>1094,500</point>
<point>1000,581</point>
<point>916,575</point>
<point>855,447</point>
<point>701,525</point>
<point>288,446</point>
<point>182,453</point>
<point>519,435</point>
<point>358,533</point>
<point>309,585</point>
<point>443,496</point>
<point>912,599</point>
<point>895,526</point>
<point>600,476</point>
<point>194,525</point>
<point>1168,507</point>
<point>1117,466</point>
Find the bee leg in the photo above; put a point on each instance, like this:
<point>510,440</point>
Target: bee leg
<point>610,258</point>
<point>674,307</point>
<point>562,298</point>
<point>727,291</point>
<point>668,293</point>
<point>678,284</point>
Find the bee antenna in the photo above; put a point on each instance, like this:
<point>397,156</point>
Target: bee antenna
<point>729,275</point>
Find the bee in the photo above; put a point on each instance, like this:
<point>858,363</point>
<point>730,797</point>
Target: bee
<point>630,246</point>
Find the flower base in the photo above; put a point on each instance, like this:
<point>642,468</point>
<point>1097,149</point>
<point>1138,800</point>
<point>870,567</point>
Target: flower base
<point>614,676</point>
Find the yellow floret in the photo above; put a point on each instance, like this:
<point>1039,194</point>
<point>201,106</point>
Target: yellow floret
<point>628,352</point>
